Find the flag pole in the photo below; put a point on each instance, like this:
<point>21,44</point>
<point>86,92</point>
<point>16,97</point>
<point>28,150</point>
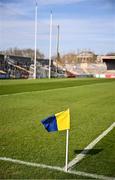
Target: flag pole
<point>50,45</point>
<point>67,144</point>
<point>36,8</point>
<point>57,59</point>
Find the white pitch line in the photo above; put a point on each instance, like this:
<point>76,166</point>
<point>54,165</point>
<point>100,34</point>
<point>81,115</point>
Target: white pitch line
<point>79,173</point>
<point>20,93</point>
<point>80,156</point>
<point>30,163</point>
<point>26,92</point>
<point>96,176</point>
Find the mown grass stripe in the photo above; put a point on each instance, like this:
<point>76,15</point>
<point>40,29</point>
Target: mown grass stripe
<point>39,86</point>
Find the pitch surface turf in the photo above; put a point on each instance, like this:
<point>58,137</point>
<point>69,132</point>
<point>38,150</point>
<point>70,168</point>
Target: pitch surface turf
<point>23,103</point>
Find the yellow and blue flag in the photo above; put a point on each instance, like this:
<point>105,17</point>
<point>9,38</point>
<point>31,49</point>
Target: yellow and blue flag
<point>57,122</point>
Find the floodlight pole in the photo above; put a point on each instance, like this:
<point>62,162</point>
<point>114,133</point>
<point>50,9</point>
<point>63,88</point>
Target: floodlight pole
<point>58,33</point>
<point>36,9</point>
<point>50,45</point>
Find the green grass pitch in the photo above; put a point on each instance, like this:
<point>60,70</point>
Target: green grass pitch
<point>24,103</point>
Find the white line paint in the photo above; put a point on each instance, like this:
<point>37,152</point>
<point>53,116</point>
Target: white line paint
<point>27,92</point>
<point>79,173</point>
<point>20,93</point>
<point>80,156</point>
<point>96,176</point>
<point>30,163</point>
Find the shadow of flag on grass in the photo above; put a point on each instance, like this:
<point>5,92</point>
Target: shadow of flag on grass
<point>87,151</point>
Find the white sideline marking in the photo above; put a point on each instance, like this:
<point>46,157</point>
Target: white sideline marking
<point>96,176</point>
<point>26,92</point>
<point>80,156</point>
<point>79,173</point>
<point>20,93</point>
<point>30,163</point>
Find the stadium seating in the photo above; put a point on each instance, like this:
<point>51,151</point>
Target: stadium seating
<point>23,67</point>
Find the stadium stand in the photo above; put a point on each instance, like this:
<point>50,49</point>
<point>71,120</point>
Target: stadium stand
<point>14,67</point>
<point>3,67</point>
<point>23,67</point>
<point>85,69</point>
<point>42,70</point>
<point>18,67</point>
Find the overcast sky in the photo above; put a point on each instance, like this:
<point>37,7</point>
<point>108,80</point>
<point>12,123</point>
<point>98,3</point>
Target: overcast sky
<point>84,24</point>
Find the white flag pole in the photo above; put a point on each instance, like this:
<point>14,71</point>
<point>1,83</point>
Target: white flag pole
<point>36,8</point>
<point>50,45</point>
<point>67,144</point>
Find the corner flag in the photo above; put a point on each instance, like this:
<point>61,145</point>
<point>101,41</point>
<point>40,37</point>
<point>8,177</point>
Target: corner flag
<point>57,122</point>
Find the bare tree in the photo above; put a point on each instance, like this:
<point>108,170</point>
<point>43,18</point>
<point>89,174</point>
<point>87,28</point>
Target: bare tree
<point>23,52</point>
